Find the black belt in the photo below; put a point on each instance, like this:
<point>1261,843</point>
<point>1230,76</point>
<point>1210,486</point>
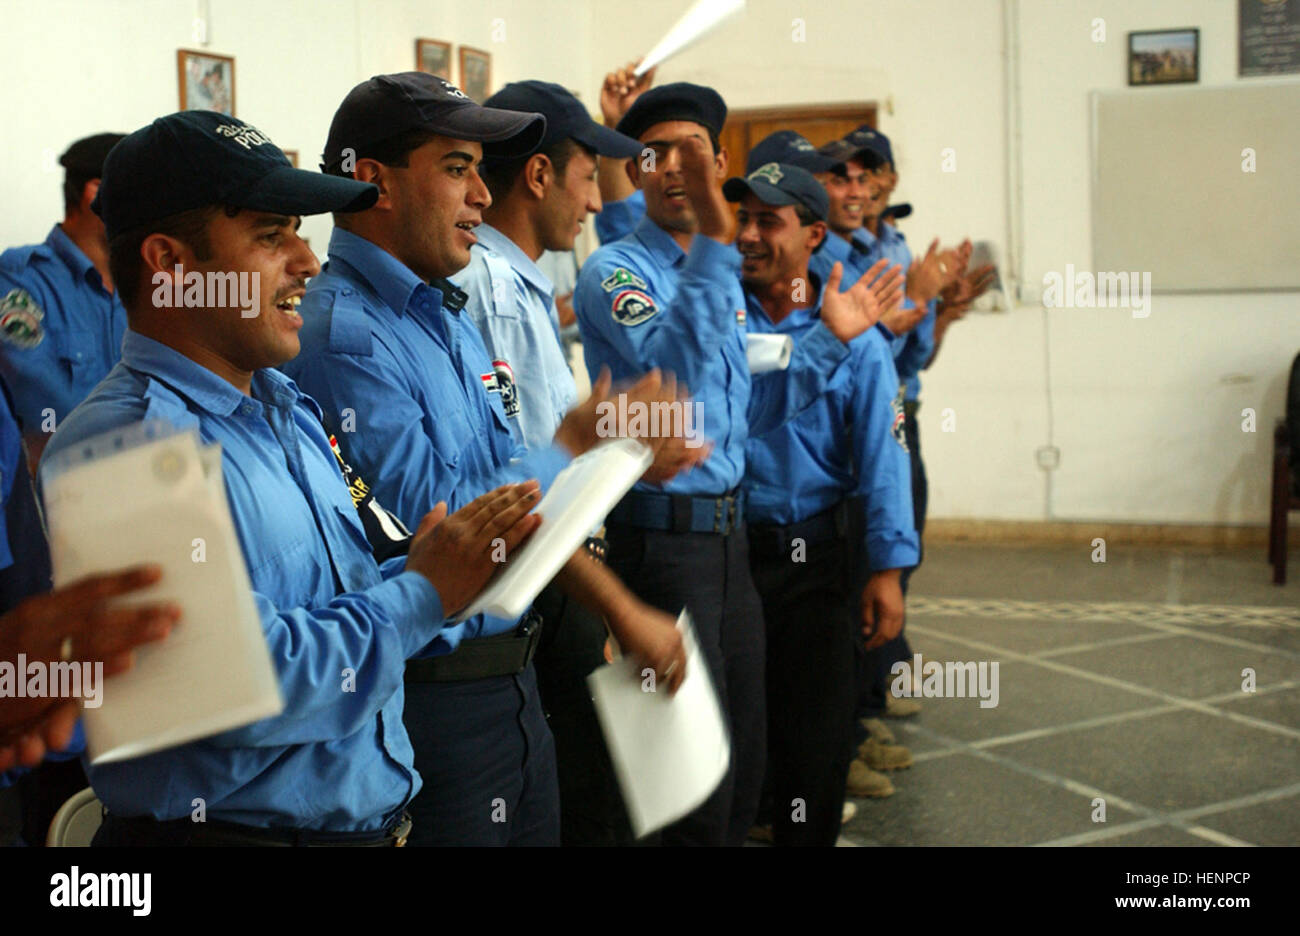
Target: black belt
<point>829,525</point>
<point>147,831</point>
<point>681,513</point>
<point>502,655</point>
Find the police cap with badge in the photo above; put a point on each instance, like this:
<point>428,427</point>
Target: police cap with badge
<point>196,158</point>
<point>388,106</point>
<point>780,184</point>
<point>566,118</point>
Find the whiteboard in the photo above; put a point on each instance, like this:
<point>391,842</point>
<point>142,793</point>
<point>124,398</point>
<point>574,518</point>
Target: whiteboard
<point>1169,194</point>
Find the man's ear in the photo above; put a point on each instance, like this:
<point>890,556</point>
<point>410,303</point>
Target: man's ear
<point>539,173</point>
<point>633,169</point>
<point>816,234</point>
<point>377,174</point>
<point>162,254</point>
<point>88,193</point>
<point>720,162</point>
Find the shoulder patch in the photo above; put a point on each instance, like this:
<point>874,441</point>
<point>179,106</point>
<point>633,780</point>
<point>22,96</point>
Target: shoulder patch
<point>20,319</point>
<point>897,426</point>
<point>632,307</point>
<point>502,380</point>
<point>622,277</point>
<point>349,326</point>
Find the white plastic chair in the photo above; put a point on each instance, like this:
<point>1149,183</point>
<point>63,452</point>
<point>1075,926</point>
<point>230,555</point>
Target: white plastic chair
<point>76,822</point>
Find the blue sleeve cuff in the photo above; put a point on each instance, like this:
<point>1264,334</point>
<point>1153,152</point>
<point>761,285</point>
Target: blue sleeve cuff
<point>414,606</point>
<point>892,553</point>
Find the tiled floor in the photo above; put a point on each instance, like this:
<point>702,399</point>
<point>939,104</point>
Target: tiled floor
<point>1120,682</point>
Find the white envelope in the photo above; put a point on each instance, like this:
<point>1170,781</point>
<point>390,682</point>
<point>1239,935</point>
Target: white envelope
<point>700,19</point>
<point>576,503</point>
<point>669,752</point>
<point>767,352</point>
<point>162,501</point>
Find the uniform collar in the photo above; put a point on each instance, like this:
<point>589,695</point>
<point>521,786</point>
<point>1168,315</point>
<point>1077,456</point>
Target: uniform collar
<point>198,384</point>
<point>837,248</point>
<point>494,240</point>
<point>71,255</point>
<point>391,280</point>
<point>864,240</point>
<point>799,317</point>
<point>659,242</point>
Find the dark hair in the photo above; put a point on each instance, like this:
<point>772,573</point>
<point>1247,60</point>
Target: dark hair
<point>125,263</point>
<point>500,174</point>
<point>807,218</point>
<point>74,183</point>
<point>393,151</point>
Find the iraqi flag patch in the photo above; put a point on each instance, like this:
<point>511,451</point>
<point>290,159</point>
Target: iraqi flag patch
<point>632,307</point>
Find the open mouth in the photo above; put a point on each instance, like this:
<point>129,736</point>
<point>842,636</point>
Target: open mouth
<point>676,194</point>
<point>467,228</point>
<point>289,305</point>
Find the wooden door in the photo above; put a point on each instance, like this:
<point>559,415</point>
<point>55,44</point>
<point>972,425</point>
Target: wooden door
<point>820,124</point>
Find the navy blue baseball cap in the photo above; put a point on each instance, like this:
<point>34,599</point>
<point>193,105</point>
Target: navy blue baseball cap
<point>793,149</point>
<point>388,106</point>
<point>901,210</point>
<point>841,151</point>
<point>680,100</point>
<point>566,118</point>
<point>195,158</point>
<point>866,137</point>
<point>780,184</point>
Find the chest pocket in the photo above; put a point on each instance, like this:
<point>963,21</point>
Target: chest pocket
<point>78,358</point>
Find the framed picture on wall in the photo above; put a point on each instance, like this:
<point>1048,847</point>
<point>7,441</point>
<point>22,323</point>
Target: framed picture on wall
<point>207,82</point>
<point>1169,56</point>
<point>293,157</point>
<point>476,73</point>
<point>433,57</point>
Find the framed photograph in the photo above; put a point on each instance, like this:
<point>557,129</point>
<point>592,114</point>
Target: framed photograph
<point>433,57</point>
<point>293,157</point>
<point>476,73</point>
<point>1169,56</point>
<point>207,81</point>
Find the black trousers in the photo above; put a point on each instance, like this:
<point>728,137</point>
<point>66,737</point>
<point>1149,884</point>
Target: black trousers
<point>809,609</point>
<point>709,573</point>
<point>572,645</point>
<point>487,760</point>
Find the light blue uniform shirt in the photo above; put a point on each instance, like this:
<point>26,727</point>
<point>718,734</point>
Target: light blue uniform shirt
<point>642,302</point>
<point>857,257</point>
<point>913,350</point>
<point>513,304</point>
<point>406,381</point>
<point>60,329</point>
<point>849,443</point>
<point>333,760</point>
<point>619,218</point>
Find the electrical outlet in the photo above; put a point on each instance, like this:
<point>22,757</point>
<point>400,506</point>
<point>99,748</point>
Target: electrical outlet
<point>1049,457</point>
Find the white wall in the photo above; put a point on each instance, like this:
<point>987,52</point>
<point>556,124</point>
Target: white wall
<point>76,67</point>
<point>1146,412</point>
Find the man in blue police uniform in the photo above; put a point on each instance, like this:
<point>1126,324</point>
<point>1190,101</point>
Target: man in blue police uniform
<point>199,193</point>
<point>539,203</point>
<point>668,295</point>
<point>810,499</point>
<point>61,323</point>
<point>398,367</point>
